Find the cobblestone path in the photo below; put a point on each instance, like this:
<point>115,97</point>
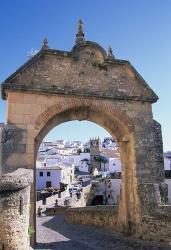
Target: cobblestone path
<point>54,233</point>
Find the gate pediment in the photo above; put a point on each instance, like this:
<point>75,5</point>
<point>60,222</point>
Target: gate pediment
<point>86,71</point>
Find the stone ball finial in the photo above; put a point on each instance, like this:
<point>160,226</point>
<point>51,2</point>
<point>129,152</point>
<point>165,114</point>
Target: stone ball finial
<point>45,43</point>
<point>110,55</point>
<point>80,34</point>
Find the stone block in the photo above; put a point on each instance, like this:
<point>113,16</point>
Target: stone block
<point>13,160</point>
<point>29,119</point>
<point>30,98</point>
<point>30,159</point>
<point>30,148</point>
<point>44,107</point>
<point>22,126</point>
<point>28,109</point>
<point>15,97</point>
<point>11,108</point>
<point>15,119</point>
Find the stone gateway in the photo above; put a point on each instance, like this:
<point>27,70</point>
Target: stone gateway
<point>87,83</point>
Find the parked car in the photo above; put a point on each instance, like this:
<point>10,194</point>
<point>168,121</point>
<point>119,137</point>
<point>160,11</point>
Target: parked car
<point>75,189</point>
<point>71,190</point>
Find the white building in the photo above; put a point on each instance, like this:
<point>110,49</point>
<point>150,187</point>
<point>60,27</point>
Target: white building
<point>48,161</point>
<point>110,143</point>
<point>109,190</point>
<point>113,160</point>
<point>53,176</point>
<point>83,163</point>
<point>65,151</point>
<point>84,166</point>
<point>167,163</point>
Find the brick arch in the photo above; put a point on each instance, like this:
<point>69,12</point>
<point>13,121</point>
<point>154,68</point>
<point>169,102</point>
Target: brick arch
<point>105,107</point>
<point>117,123</point>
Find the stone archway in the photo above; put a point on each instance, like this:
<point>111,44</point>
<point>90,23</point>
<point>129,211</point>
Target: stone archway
<point>118,124</point>
<point>88,84</point>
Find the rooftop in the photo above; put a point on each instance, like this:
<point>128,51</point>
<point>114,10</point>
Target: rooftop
<point>59,166</point>
<point>110,153</point>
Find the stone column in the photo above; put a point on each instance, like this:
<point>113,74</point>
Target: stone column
<point>14,209</point>
<point>150,167</point>
<point>12,148</point>
<point>158,152</point>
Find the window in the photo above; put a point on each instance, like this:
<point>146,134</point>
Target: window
<point>41,174</point>
<point>48,173</point>
<point>44,164</point>
<point>48,184</point>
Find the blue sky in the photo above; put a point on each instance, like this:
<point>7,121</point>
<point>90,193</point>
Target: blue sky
<point>138,31</point>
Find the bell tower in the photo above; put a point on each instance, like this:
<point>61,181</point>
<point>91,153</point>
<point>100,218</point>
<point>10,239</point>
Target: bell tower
<point>94,154</point>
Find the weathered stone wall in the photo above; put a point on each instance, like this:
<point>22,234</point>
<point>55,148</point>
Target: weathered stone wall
<point>14,209</point>
<point>55,210</point>
<point>84,70</point>
<point>156,227</point>
<point>82,202</point>
<point>158,152</point>
<point>49,201</point>
<point>152,189</point>
<point>102,216</point>
<point>12,148</point>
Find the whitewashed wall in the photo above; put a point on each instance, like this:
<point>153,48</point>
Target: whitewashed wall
<point>84,167</point>
<point>167,163</point>
<point>114,165</point>
<point>55,178</point>
<point>109,187</point>
<point>168,181</point>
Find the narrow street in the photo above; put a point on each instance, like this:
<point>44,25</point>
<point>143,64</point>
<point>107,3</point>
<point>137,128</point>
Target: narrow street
<point>53,232</point>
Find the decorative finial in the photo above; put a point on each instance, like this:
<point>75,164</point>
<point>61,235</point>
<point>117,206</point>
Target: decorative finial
<point>80,33</point>
<point>110,55</point>
<point>45,43</point>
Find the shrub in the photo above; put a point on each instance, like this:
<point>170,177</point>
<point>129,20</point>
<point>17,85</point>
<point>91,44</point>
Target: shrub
<point>31,231</point>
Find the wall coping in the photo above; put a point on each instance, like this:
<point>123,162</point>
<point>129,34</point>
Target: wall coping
<point>102,208</point>
<point>55,90</point>
<point>17,180</point>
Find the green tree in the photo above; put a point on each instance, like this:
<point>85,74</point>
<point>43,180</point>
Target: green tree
<point>101,159</point>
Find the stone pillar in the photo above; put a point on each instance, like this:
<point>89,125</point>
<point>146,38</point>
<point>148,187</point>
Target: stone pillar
<point>150,166</point>
<point>12,148</point>
<point>14,209</point>
<point>158,152</point>
<point>159,162</point>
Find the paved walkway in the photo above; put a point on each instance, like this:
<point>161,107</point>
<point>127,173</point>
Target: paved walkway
<point>54,233</point>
